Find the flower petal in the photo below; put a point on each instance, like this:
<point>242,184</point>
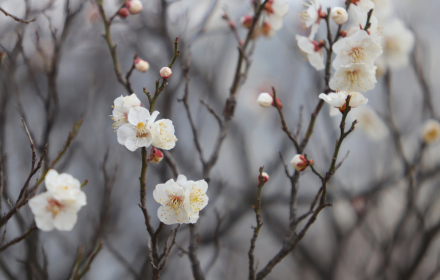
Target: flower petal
<point>124,132</point>
<point>137,115</point>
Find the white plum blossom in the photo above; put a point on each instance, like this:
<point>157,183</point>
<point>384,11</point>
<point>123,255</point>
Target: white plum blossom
<point>275,10</point>
<point>337,99</point>
<point>358,48</point>
<point>121,107</point>
<point>142,131</point>
<point>398,43</point>
<point>312,16</point>
<point>431,131</point>
<point>312,50</point>
<point>59,205</point>
<point>181,200</point>
<point>356,77</point>
<point>163,134</point>
<point>339,15</point>
<point>265,100</point>
<point>370,123</point>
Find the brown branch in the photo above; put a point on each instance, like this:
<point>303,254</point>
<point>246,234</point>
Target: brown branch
<point>283,121</point>
<point>17,239</point>
<point>257,228</point>
<point>193,247</point>
<point>17,18</point>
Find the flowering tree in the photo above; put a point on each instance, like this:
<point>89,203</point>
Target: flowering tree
<point>188,178</point>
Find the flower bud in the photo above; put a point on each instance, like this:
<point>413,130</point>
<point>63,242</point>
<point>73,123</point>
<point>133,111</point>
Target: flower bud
<point>165,72</point>
<point>123,13</point>
<point>141,65</point>
<point>431,131</point>
<point>266,29</point>
<point>265,99</point>
<point>246,21</point>
<point>343,33</point>
<point>280,105</point>
<point>134,6</point>
<point>299,162</point>
<point>265,178</point>
<point>155,156</point>
<point>339,15</point>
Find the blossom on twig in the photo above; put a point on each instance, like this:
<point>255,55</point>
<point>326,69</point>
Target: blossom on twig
<point>121,107</point>
<point>59,205</point>
<point>181,200</point>
<point>338,99</point>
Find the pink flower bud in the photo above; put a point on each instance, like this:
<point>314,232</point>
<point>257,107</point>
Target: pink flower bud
<point>134,6</point>
<point>141,65</point>
<point>246,21</point>
<point>265,178</point>
<point>278,102</point>
<point>155,156</point>
<point>299,162</point>
<point>123,13</point>
<point>343,33</point>
<point>165,72</point>
<point>266,29</point>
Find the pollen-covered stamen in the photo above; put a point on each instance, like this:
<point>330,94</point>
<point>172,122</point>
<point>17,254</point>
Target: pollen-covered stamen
<point>358,55</point>
<point>354,77</point>
<point>175,202</point>
<point>196,199</point>
<point>142,130</point>
<point>55,207</point>
<point>118,120</point>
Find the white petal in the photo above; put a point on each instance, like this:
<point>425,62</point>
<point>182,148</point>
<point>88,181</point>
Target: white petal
<point>137,115</point>
<point>132,143</point>
<point>132,100</point>
<point>124,132</point>
<point>51,180</point>
<point>316,60</point>
<point>153,117</point>
<point>163,134</point>
<point>66,219</point>
<point>357,99</point>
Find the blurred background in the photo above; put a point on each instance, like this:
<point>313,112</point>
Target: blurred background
<point>384,222</point>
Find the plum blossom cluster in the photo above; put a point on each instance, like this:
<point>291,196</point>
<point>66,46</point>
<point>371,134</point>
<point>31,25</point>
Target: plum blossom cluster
<point>136,127</point>
<point>58,206</point>
<point>272,18</point>
<point>181,200</point>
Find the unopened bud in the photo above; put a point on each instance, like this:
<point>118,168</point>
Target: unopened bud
<point>300,163</point>
<point>431,131</point>
<point>339,15</point>
<point>266,29</point>
<point>280,105</point>
<point>343,33</point>
<point>322,14</point>
<point>265,178</point>
<point>246,21</point>
<point>265,99</point>
<point>155,156</point>
<point>141,65</point>
<point>123,13</point>
<point>134,6</point>
<point>165,72</point>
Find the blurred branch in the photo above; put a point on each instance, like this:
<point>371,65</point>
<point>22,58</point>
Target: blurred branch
<point>17,18</point>
<point>17,239</point>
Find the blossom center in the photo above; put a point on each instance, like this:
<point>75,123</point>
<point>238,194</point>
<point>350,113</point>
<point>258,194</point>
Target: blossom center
<point>142,130</point>
<point>118,120</point>
<point>357,54</point>
<point>432,134</point>
<point>54,206</point>
<point>353,76</point>
<point>175,202</point>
